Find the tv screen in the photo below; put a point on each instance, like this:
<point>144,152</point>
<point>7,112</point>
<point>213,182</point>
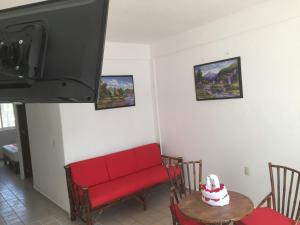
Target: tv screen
<point>52,51</point>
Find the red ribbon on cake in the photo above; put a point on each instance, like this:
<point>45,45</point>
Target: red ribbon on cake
<point>203,187</point>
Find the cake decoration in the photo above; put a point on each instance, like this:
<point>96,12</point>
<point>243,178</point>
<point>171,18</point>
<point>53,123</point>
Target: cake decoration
<point>214,193</point>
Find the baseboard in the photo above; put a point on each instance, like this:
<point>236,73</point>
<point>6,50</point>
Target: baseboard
<point>56,203</point>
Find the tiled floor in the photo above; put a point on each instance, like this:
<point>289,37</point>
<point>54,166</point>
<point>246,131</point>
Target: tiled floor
<point>20,204</point>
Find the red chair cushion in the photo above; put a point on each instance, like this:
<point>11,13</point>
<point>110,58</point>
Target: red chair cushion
<point>89,172</point>
<point>124,186</point>
<point>121,164</point>
<point>265,216</point>
<point>183,220</point>
<point>148,156</point>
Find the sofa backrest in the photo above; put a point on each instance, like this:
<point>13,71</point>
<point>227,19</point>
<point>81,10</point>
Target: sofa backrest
<point>148,156</point>
<point>120,164</point>
<point>94,171</point>
<point>89,172</point>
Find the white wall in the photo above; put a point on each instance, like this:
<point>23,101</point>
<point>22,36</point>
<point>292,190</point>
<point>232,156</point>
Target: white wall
<point>46,147</point>
<point>88,133</point>
<point>230,134</point>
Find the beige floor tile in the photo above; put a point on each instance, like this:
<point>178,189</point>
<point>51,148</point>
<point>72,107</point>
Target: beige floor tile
<point>20,204</point>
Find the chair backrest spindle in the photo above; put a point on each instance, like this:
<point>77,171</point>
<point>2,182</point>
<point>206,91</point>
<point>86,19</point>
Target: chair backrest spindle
<point>189,177</point>
<point>290,193</point>
<point>192,175</point>
<point>284,190</point>
<point>278,188</point>
<point>295,198</point>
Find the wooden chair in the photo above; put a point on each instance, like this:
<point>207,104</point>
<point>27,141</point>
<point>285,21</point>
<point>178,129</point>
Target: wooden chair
<point>183,185</point>
<point>283,202</point>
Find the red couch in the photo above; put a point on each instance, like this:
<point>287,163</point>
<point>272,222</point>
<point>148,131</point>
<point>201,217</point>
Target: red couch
<point>98,182</point>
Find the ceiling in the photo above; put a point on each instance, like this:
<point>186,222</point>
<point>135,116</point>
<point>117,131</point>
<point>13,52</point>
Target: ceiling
<point>148,21</point>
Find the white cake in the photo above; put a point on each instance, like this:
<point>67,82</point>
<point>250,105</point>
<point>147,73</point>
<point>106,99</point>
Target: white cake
<point>214,193</point>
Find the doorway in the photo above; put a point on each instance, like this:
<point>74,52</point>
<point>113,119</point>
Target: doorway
<point>24,140</point>
<point>14,140</point>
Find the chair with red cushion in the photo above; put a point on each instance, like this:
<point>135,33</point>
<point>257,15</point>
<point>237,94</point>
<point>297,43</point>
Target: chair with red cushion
<point>283,202</point>
<point>192,173</point>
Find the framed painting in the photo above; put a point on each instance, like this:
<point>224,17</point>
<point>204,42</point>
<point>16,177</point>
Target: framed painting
<point>115,92</point>
<point>219,80</point>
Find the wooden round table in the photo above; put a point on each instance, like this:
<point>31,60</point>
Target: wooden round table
<point>193,207</point>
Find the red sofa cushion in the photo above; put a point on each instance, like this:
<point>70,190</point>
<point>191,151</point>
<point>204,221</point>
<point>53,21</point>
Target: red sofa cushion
<point>121,164</point>
<point>148,156</point>
<point>118,188</point>
<point>152,176</point>
<point>266,216</point>
<point>182,218</point>
<point>108,192</point>
<point>89,172</point>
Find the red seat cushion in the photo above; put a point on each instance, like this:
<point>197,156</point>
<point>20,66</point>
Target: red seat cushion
<point>265,216</point>
<point>148,156</point>
<point>124,186</point>
<point>182,218</point>
<point>152,176</point>
<point>89,172</point>
<point>121,164</point>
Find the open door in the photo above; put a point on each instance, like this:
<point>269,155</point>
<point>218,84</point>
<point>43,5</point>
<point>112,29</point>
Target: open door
<point>23,132</point>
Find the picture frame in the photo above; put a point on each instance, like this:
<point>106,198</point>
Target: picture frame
<point>115,91</point>
<point>219,80</point>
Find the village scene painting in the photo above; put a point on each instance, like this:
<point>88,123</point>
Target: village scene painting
<point>218,80</point>
<point>115,92</point>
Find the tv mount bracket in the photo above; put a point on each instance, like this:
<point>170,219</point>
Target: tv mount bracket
<point>22,51</point>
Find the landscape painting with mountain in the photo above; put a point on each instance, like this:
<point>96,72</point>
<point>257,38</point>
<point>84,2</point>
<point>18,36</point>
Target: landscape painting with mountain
<point>115,92</point>
<point>219,80</point>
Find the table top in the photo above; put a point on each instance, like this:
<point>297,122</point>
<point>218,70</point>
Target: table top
<point>193,207</point>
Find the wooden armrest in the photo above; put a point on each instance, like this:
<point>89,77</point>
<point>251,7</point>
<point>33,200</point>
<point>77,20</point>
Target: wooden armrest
<point>85,190</point>
<point>171,157</point>
<point>169,160</point>
<point>267,200</point>
<point>79,187</point>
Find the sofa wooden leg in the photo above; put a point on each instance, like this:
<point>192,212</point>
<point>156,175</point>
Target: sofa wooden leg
<point>89,220</point>
<point>73,210</point>
<point>142,199</point>
<point>144,204</point>
<point>174,220</point>
<point>16,167</point>
<point>73,215</point>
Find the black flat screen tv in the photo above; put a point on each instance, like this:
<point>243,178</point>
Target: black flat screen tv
<point>52,51</point>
